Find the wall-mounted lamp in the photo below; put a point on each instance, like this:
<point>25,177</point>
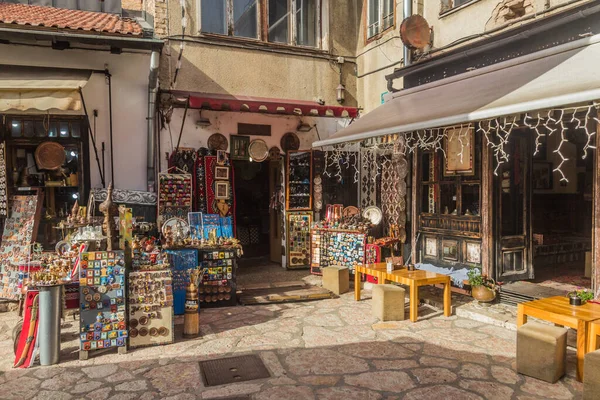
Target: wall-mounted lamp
<point>203,121</point>
<point>341,93</point>
<point>302,127</point>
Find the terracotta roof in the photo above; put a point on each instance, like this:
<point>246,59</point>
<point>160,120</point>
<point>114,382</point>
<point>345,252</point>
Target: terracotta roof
<point>50,17</point>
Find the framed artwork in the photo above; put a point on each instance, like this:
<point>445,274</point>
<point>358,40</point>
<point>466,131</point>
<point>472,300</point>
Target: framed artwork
<point>450,250</point>
<point>239,147</point>
<point>222,157</point>
<point>458,146</point>
<point>542,175</point>
<point>431,249</point>
<point>222,173</point>
<point>221,190</point>
<point>473,252</point>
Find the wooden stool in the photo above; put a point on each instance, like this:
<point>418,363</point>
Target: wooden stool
<point>388,302</point>
<point>541,351</point>
<point>591,375</point>
<point>336,279</point>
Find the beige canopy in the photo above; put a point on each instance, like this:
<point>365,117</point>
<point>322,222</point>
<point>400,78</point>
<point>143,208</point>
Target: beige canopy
<point>42,89</point>
<point>559,76</point>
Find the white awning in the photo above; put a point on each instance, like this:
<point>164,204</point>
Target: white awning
<point>556,77</point>
<point>43,89</point>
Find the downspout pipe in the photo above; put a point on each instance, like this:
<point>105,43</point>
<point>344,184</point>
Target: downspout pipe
<point>151,149</point>
<point>407,10</point>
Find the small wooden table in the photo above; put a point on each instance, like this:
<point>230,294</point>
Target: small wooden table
<point>558,310</point>
<point>413,279</point>
<point>594,332</point>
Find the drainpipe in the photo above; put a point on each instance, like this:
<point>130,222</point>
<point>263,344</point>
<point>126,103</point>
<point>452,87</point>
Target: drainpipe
<point>152,90</point>
<point>407,9</point>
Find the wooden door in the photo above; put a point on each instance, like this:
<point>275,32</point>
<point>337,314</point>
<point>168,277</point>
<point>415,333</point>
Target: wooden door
<point>513,215</point>
<point>276,216</point>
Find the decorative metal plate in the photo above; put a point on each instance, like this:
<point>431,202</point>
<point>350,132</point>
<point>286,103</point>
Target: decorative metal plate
<point>50,155</point>
<point>258,150</point>
<point>217,141</point>
<point>350,211</point>
<point>233,369</point>
<point>290,142</point>
<point>415,32</point>
<point>175,223</point>
<point>373,214</point>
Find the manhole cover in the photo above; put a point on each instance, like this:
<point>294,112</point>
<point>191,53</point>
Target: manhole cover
<point>233,369</point>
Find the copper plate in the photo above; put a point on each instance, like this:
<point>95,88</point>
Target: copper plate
<point>50,155</point>
<point>162,331</point>
<point>133,332</point>
<point>290,141</point>
<point>133,323</point>
<point>143,320</point>
<point>153,332</point>
<point>415,32</point>
<point>143,331</point>
<point>217,141</point>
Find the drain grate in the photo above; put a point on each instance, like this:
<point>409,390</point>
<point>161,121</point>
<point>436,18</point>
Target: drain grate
<point>233,369</point>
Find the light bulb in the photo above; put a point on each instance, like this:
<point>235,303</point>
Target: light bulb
<point>75,195</point>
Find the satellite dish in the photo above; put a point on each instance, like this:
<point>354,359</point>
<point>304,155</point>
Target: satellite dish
<point>415,32</point>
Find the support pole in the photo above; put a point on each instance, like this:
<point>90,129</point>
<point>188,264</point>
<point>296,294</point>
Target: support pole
<point>596,230</point>
<point>87,117</point>
<point>110,119</point>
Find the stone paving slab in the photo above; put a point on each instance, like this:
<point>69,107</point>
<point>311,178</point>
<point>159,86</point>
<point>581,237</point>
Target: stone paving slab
<point>328,349</point>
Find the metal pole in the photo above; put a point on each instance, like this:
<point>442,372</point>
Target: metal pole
<point>407,9</point>
<point>103,162</point>
<point>187,104</point>
<point>91,136</point>
<point>110,119</point>
<point>49,326</point>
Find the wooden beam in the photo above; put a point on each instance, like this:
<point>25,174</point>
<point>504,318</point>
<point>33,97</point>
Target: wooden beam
<point>596,222</point>
<point>414,206</point>
<point>487,234</point>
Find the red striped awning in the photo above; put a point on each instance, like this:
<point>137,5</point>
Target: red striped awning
<point>226,102</point>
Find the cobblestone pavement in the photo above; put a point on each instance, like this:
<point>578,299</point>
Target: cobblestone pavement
<point>329,349</point>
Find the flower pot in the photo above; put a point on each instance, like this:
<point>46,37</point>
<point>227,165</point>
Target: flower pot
<point>575,301</point>
<point>483,294</point>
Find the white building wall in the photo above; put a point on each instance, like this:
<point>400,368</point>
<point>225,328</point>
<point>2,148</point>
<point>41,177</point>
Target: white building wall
<point>130,102</point>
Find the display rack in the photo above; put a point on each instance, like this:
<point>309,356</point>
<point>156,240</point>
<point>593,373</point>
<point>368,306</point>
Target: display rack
<point>299,180</point>
<point>298,239</point>
<point>181,261</point>
<point>336,247</point>
<point>218,278</point>
<point>102,301</point>
<point>174,196</point>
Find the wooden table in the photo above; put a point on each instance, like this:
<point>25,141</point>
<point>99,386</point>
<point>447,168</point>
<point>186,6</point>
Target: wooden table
<point>594,332</point>
<point>413,279</point>
<point>558,310</point>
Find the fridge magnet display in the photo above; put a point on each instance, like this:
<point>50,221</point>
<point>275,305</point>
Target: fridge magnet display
<point>218,271</point>
<point>195,223</point>
<point>239,147</point>
<point>174,196</point>
<point>221,190</point>
<point>102,302</point>
<point>298,235</point>
<point>3,180</point>
<point>222,173</point>
<point>181,261</point>
<point>150,308</point>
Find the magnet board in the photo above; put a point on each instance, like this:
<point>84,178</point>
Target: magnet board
<point>174,197</point>
<point>102,300</point>
<point>218,286</point>
<point>150,308</point>
<point>181,261</point>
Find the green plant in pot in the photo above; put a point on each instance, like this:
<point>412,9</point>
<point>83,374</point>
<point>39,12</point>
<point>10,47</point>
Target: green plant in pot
<point>580,296</point>
<point>483,288</point>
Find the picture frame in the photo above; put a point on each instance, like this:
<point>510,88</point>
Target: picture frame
<point>239,147</point>
<point>221,190</point>
<point>541,176</point>
<point>450,250</point>
<point>222,173</point>
<point>431,247</point>
<point>459,151</point>
<point>222,157</point>
<point>473,252</point>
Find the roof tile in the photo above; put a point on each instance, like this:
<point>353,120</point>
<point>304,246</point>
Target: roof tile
<point>51,17</point>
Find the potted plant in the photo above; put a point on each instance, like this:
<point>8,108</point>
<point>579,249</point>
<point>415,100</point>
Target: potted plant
<point>580,296</point>
<point>483,288</point>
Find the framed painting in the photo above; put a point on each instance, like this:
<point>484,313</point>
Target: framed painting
<point>431,247</point>
<point>239,147</point>
<point>221,173</point>
<point>221,190</point>
<point>458,147</point>
<point>542,175</point>
<point>473,252</point>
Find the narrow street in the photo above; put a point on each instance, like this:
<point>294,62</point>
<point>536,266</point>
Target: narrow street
<point>329,349</point>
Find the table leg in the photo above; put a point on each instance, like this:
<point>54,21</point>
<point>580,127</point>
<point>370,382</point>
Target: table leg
<point>593,344</point>
<point>582,338</point>
<point>447,300</point>
<point>356,285</point>
<point>521,316</point>
<point>414,302</point>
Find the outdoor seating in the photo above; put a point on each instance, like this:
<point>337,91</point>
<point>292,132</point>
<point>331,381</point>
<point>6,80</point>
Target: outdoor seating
<point>541,351</point>
<point>591,375</point>
<point>336,279</point>
<point>388,302</point>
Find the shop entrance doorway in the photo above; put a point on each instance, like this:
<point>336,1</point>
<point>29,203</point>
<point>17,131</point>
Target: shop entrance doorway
<point>543,227</point>
<point>252,191</point>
